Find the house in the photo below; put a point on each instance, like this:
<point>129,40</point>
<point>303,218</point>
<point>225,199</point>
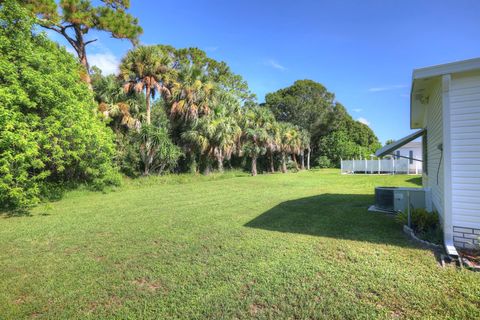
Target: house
<point>412,151</point>
<point>445,107</point>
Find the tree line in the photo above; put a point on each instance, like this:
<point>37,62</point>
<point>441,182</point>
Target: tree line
<point>187,112</point>
<point>168,110</point>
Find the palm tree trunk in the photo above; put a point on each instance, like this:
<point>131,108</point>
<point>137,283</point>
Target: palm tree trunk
<point>284,162</point>
<point>302,160</point>
<point>208,165</point>
<point>272,166</point>
<point>308,158</point>
<point>294,158</point>
<point>191,162</point>
<point>254,165</point>
<point>220,163</point>
<point>146,164</point>
<point>147,103</point>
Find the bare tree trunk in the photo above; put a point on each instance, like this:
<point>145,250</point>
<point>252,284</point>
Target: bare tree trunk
<point>308,158</point>
<point>302,159</point>
<point>272,165</point>
<point>254,165</point>
<point>78,44</point>
<point>147,102</point>
<point>86,76</point>
<point>284,162</point>
<point>80,47</point>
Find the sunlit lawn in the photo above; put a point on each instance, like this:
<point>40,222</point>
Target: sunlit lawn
<point>273,246</point>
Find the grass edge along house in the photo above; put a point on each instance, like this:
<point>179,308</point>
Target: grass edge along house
<point>445,106</point>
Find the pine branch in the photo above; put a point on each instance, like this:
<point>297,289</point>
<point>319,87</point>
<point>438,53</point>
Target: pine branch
<point>90,41</point>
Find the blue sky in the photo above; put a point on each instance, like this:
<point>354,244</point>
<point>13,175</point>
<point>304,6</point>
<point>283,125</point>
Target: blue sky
<point>363,51</point>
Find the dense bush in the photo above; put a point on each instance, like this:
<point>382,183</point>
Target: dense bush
<point>49,133</point>
<point>292,166</point>
<point>128,155</point>
<point>323,162</point>
<point>425,224</point>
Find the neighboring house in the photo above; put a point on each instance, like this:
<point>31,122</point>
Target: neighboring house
<point>412,151</point>
<point>445,105</point>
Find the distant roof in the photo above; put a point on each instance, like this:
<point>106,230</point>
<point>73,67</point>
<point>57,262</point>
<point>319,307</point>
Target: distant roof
<point>389,148</point>
<point>412,144</point>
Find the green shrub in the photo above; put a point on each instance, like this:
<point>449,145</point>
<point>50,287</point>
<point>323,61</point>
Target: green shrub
<point>128,154</point>
<point>157,151</point>
<point>425,224</point>
<point>292,166</point>
<point>50,136</point>
<point>323,162</point>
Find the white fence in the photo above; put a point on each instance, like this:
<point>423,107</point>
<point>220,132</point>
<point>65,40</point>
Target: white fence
<point>381,166</point>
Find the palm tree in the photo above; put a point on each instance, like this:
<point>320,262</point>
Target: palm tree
<point>226,135</point>
<point>288,142</point>
<point>193,95</point>
<point>199,139</point>
<point>273,142</point>
<point>214,137</point>
<point>257,121</point>
<point>156,148</point>
<point>147,68</point>
<point>305,145</point>
<point>113,103</point>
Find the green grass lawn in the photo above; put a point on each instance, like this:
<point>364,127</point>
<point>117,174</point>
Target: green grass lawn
<point>273,246</point>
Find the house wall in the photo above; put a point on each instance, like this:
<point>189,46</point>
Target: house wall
<point>434,177</point>
<point>416,148</point>
<point>465,157</point>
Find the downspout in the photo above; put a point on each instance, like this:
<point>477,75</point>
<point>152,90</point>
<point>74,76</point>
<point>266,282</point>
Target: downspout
<point>447,177</point>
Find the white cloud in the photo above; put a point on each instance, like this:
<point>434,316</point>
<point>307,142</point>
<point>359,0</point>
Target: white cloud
<point>274,64</point>
<point>358,110</point>
<point>387,88</point>
<point>107,62</point>
<point>364,121</point>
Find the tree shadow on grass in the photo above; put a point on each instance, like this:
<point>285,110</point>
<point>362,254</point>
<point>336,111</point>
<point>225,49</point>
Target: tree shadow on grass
<point>416,180</point>
<point>14,213</point>
<point>341,216</point>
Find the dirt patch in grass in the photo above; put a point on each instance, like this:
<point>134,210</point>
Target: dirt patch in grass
<point>145,284</point>
<point>111,303</point>
<point>255,308</point>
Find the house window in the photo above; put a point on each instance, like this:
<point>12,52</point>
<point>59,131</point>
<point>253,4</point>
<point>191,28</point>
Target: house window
<point>410,156</point>
<point>398,154</point>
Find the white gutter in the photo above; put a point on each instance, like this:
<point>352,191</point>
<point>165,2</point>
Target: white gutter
<point>447,168</point>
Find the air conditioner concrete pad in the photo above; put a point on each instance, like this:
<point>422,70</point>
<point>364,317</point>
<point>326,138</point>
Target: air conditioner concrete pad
<point>373,208</point>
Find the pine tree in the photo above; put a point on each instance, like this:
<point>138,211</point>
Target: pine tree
<point>73,19</point>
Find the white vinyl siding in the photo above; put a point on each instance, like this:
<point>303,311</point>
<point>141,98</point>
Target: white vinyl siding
<point>465,145</point>
<point>434,124</point>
